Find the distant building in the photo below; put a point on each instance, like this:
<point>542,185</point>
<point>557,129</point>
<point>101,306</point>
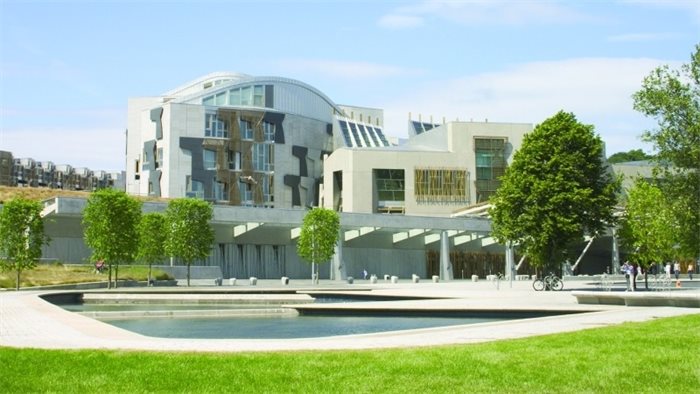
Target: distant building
<point>27,172</point>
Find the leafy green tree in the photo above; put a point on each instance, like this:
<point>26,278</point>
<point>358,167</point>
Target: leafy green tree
<point>152,237</point>
<point>190,235</point>
<point>21,235</point>
<point>556,190</point>
<point>111,220</point>
<point>633,155</point>
<point>319,234</point>
<point>672,97</point>
<point>648,228</point>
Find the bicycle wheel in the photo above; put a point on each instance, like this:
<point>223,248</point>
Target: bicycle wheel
<point>538,285</point>
<point>556,284</point>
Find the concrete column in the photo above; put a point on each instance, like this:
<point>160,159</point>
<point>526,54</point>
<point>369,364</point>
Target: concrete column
<point>510,263</point>
<point>445,264</point>
<point>338,271</point>
<point>615,253</point>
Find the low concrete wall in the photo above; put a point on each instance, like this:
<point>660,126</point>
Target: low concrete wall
<point>683,299</point>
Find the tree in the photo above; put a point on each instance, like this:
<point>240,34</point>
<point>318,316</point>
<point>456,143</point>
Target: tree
<point>633,155</point>
<point>152,237</point>
<point>190,235</point>
<point>647,229</point>
<point>557,190</point>
<point>319,234</point>
<point>111,220</point>
<point>672,97</point>
<point>21,235</point>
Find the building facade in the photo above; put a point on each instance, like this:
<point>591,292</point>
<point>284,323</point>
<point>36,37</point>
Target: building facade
<point>241,140</point>
<point>437,171</point>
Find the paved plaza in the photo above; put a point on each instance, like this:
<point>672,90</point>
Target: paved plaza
<point>26,320</point>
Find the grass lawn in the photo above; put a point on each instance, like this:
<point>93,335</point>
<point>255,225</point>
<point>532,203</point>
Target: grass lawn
<point>661,356</point>
<point>58,274</point>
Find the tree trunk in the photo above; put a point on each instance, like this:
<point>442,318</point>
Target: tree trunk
<point>188,275</point>
<point>109,276</point>
<point>116,276</point>
<point>18,275</point>
<point>149,275</point>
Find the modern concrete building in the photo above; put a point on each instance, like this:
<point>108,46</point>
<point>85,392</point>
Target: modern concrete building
<point>241,140</point>
<point>440,169</point>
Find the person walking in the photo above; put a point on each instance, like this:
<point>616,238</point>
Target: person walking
<point>691,270</point>
<point>677,269</point>
<point>627,270</point>
<point>667,270</point>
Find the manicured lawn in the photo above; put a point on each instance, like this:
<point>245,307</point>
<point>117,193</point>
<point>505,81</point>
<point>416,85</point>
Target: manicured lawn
<point>661,356</point>
<point>59,274</point>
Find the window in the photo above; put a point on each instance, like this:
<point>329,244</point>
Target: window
<point>234,160</point>
<point>246,129</point>
<point>195,189</point>
<point>209,159</point>
<point>159,158</point>
<point>268,189</point>
<point>208,101</point>
<point>390,189</point>
<point>441,185</point>
<point>221,99</point>
<point>490,166</point>
<point>258,96</point>
<point>263,157</point>
<point>246,95</point>
<point>234,97</point>
<point>220,191</point>
<point>269,131</point>
<point>215,127</point>
<point>246,193</point>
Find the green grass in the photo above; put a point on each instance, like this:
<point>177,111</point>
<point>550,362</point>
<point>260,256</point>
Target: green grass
<point>58,274</point>
<point>660,356</point>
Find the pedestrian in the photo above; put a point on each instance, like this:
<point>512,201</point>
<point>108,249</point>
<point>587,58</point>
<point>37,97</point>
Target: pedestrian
<point>364,274</point>
<point>667,270</point>
<point>627,270</point>
<point>691,270</point>
<point>677,269</point>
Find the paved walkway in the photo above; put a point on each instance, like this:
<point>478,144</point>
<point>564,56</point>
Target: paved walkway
<point>28,321</point>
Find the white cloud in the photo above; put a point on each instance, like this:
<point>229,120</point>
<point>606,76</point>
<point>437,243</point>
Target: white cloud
<point>485,12</point>
<point>95,148</point>
<point>342,69</point>
<point>394,21</point>
<point>597,90</point>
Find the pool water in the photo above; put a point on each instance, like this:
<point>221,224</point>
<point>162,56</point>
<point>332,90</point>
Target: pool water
<point>279,327</point>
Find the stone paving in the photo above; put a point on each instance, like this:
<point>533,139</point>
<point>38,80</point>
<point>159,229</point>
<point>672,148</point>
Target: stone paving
<point>28,321</point>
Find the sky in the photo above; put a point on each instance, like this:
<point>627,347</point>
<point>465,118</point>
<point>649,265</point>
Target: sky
<point>68,68</point>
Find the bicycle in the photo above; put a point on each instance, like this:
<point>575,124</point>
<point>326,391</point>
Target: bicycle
<point>549,282</point>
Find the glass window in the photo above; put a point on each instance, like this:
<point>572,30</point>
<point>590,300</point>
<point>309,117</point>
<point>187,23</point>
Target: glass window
<point>246,193</point>
<point>246,129</point>
<point>208,100</point>
<point>221,98</point>
<point>246,95</point>
<point>220,191</point>
<point>215,127</point>
<point>269,131</point>
<point>258,96</point>
<point>234,97</point>
<point>263,157</point>
<point>209,159</point>
<point>234,160</point>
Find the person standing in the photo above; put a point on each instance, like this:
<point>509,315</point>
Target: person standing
<point>691,270</point>
<point>667,270</point>
<point>627,270</point>
<point>677,269</point>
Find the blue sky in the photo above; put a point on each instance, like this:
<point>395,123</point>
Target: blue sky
<point>67,68</point>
